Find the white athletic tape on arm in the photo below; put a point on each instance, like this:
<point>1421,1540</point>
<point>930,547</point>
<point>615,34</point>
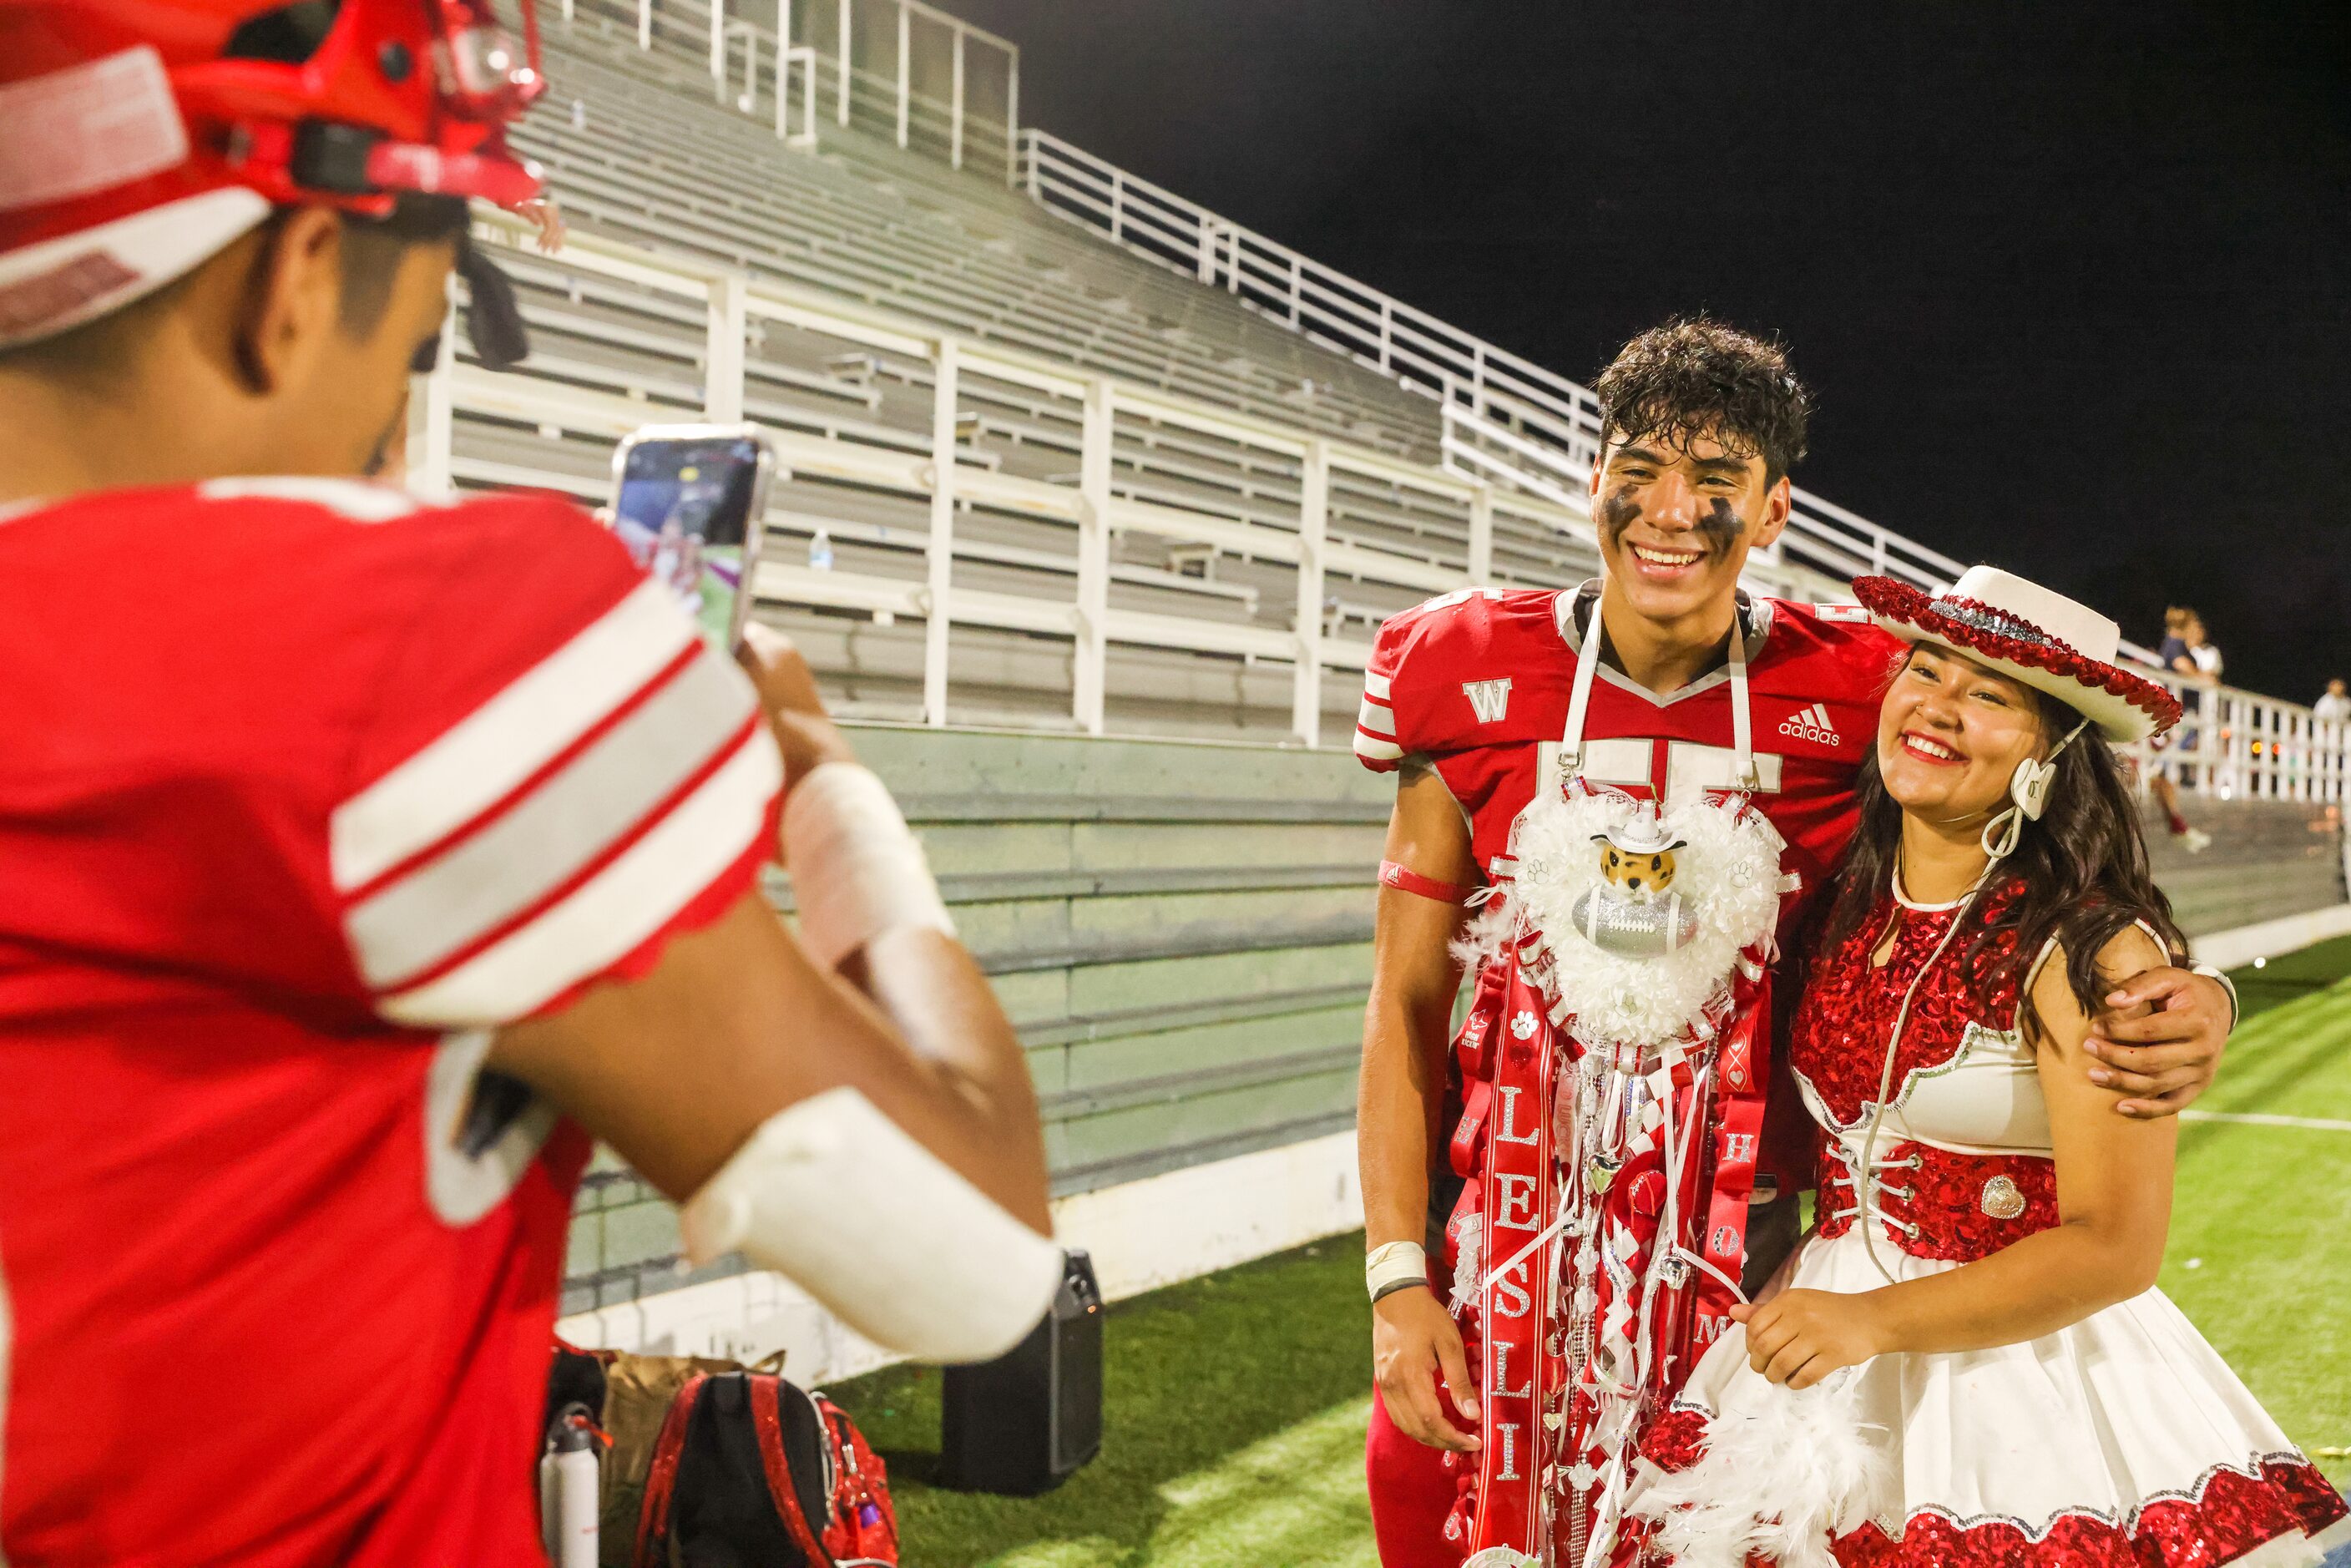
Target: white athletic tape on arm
<point>833,1193</point>
<point>1398,1260</point>
<point>857,870</point>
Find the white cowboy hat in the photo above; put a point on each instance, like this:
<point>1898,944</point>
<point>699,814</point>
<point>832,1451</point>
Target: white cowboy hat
<point>2051,642</point>
<point>1641,833</point>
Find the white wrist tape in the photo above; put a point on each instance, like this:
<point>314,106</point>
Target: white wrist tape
<point>878,1228</point>
<point>2213,971</point>
<point>857,870</point>
<point>1383,1266</point>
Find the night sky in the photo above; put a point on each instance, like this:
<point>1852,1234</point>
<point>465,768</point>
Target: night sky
<point>2070,281</point>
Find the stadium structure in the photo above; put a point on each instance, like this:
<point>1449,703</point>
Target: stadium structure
<point>1091,504</point>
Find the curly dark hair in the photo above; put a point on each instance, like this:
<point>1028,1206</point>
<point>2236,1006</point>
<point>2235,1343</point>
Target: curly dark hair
<point>1695,376</point>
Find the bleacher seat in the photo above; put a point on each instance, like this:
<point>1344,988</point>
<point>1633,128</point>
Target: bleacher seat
<point>639,153</point>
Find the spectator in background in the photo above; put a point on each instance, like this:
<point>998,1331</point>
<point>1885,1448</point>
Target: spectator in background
<point>2334,708</point>
<point>2201,652</point>
<point>2178,657</point>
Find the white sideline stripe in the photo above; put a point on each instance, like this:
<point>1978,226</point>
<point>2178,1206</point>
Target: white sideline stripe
<point>569,820</point>
<point>485,755</point>
<point>1375,718</point>
<point>1377,751</point>
<point>614,910</point>
<point>1376,687</point>
<point>2263,1119</point>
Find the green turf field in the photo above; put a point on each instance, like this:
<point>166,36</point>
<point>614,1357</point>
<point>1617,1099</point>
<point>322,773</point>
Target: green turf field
<point>1236,1404</point>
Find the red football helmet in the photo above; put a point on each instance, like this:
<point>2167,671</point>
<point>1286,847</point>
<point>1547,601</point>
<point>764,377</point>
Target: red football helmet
<point>138,137</point>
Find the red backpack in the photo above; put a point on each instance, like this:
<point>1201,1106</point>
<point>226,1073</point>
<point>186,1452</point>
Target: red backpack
<point>751,1470</point>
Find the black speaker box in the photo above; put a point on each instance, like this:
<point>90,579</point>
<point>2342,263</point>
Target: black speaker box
<point>1024,1422</point>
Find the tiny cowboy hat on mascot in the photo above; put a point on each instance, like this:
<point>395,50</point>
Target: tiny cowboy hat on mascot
<point>1628,1016</point>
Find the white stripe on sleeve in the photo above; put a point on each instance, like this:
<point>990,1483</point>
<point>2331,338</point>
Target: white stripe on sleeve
<point>605,918</point>
<point>1375,718</point>
<point>1376,751</point>
<point>571,817</point>
<point>480,759</point>
<point>1376,687</point>
<point>359,501</point>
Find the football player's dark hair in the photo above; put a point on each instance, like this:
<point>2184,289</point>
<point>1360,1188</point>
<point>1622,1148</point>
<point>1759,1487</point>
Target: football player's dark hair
<point>2083,865</point>
<point>373,250</point>
<point>1696,377</point>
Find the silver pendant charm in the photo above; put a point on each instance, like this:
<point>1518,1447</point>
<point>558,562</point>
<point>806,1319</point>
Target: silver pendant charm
<point>2000,1198</point>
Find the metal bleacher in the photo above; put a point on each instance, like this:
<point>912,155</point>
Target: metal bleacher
<point>1038,479</point>
<point>1284,469</point>
<point>650,171</point>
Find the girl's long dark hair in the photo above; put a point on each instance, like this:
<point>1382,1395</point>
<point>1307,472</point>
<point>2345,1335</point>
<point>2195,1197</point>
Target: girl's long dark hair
<point>2084,866</point>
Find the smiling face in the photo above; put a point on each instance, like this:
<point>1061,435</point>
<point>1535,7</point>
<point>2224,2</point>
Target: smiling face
<point>1950,735</point>
<point>1677,517</point>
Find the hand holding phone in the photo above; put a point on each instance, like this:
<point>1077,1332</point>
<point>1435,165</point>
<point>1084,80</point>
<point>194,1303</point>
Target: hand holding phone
<point>804,732</point>
<point>688,501</point>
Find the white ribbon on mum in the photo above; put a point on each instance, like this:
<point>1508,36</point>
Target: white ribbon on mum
<point>1726,873</point>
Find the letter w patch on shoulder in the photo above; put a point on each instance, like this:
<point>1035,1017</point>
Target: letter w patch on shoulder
<point>1489,699</point>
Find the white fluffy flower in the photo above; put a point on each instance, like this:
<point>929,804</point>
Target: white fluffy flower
<point>1778,1482</point>
<point>1726,872</point>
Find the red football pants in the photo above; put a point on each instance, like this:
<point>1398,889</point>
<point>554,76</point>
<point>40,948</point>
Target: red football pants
<point>1412,1493</point>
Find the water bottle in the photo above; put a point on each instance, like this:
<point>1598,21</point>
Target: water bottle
<point>820,551</point>
<point>568,1490</point>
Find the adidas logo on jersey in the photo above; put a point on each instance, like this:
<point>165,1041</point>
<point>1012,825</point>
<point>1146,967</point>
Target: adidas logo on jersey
<point>1489,699</point>
<point>1813,724</point>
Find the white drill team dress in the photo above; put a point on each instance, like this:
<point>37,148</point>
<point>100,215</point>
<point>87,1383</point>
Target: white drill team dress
<point>2122,1441</point>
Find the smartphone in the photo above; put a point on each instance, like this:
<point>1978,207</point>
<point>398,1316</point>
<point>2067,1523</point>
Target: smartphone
<point>687,501</point>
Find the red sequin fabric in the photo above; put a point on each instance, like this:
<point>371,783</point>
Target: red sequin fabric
<point>1676,1440</point>
<point>2230,1515</point>
<point>1965,1207</point>
<point>1849,1008</point>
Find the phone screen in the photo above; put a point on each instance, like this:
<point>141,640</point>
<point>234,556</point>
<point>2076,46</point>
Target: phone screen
<point>683,510</point>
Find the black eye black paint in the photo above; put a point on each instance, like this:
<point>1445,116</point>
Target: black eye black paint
<point>1618,511</point>
<point>1720,527</point>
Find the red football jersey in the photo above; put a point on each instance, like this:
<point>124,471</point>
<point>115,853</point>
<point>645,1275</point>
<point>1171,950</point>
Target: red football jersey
<point>305,788</point>
<point>1476,685</point>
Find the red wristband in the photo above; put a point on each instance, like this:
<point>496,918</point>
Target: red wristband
<point>1404,881</point>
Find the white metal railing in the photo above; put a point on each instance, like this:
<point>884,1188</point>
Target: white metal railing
<point>735,305</point>
<point>2240,746</point>
<point>747,30</point>
<point>1508,420</point>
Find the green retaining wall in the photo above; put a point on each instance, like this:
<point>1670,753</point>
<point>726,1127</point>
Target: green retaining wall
<point>1182,933</point>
